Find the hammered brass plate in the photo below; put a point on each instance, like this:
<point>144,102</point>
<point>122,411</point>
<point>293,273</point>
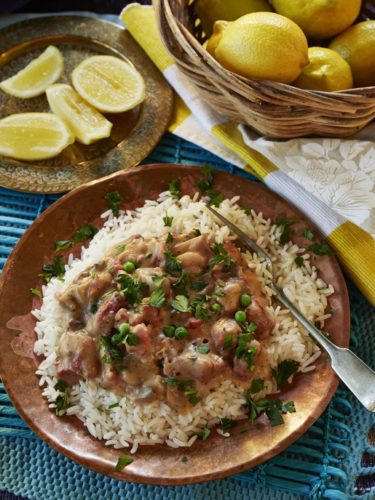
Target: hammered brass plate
<point>134,133</point>
<point>212,459</point>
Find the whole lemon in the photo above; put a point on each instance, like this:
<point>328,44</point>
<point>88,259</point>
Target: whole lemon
<point>357,46</point>
<point>210,11</point>
<point>262,45</point>
<point>326,71</point>
<point>319,18</point>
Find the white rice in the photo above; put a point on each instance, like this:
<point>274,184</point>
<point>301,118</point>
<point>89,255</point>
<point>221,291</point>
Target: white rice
<point>129,424</point>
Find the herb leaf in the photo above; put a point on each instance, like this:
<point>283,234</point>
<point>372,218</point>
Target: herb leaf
<point>113,200</point>
<point>205,433</point>
<point>206,187</point>
<point>198,286</point>
<point>55,268</point>
<point>185,386</point>
<point>299,260</point>
<point>228,341</point>
<point>181,304</point>
<point>257,385</point>
<point>283,371</point>
<point>174,187</point>
<point>321,249</point>
<point>62,245</point>
<point>285,225</point>
<point>203,349</point>
<point>221,256</point>
<point>169,238</point>
<point>131,288</point>
<point>158,280</point>
<point>173,265</point>
<point>86,232</point>
<point>157,298</point>
<point>35,292</point>
<point>227,423</point>
<point>112,354</point>
<point>122,462</point>
<point>62,400</point>
<point>167,221</point>
<point>307,234</point>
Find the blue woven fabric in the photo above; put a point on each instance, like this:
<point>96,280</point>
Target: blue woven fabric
<point>321,464</point>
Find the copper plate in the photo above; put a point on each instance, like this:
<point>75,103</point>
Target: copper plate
<point>217,457</point>
<point>134,133</point>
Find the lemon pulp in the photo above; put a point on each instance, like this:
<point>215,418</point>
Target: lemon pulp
<point>33,80</point>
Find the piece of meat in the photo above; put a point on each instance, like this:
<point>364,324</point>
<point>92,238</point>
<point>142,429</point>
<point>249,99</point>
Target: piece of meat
<point>135,248</point>
<point>261,367</point>
<point>104,320</point>
<point>149,315</point>
<point>192,365</point>
<point>78,357</point>
<point>84,290</point>
<point>221,329</point>
<point>193,323</point>
<point>193,254</point>
<point>258,313</point>
<point>231,300</point>
<point>143,332</point>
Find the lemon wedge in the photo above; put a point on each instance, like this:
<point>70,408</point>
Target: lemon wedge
<point>33,80</point>
<point>109,84</point>
<point>33,136</point>
<point>86,123</point>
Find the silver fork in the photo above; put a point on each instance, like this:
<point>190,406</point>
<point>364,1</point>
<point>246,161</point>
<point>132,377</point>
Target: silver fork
<point>355,374</point>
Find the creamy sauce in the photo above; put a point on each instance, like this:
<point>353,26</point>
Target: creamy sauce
<point>158,320</point>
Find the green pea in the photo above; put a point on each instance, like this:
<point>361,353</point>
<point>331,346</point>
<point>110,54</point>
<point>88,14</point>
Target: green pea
<point>245,300</point>
<point>181,333</point>
<point>240,316</point>
<point>216,307</point>
<point>129,267</point>
<point>169,330</point>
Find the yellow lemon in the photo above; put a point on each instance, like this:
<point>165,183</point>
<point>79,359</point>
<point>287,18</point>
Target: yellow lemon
<point>263,45</point>
<point>87,124</point>
<point>357,46</point>
<point>33,136</point>
<point>210,11</point>
<point>108,83</point>
<point>33,80</point>
<point>319,18</point>
<point>326,71</point>
<point>215,38</point>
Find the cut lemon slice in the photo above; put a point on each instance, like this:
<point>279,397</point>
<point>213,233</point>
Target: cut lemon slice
<point>86,123</point>
<point>36,76</point>
<point>109,84</point>
<point>33,136</point>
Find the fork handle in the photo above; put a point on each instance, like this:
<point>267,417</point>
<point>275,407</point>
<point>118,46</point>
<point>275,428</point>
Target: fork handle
<point>355,374</point>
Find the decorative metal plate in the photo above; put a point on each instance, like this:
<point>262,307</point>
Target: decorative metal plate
<point>134,133</point>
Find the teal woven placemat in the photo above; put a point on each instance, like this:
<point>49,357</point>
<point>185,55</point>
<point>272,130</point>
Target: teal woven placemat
<point>322,464</point>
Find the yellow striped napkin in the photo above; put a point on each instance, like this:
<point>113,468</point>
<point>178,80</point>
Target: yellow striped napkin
<point>354,247</point>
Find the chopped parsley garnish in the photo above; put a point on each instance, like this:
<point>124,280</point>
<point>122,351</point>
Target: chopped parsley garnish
<point>157,298</point>
<point>113,200</point>
<point>122,462</point>
<point>185,386</point>
<point>175,187</point>
<point>112,354</point>
<point>221,256</point>
<point>203,349</point>
<point>120,248</point>
<point>132,288</point>
<point>193,358</point>
<point>307,234</point>
<point>283,371</point>
<point>86,232</point>
<point>182,282</point>
<point>273,408</point>
<point>257,385</point>
<point>198,285</point>
<point>206,187</point>
<point>169,238</point>
<point>205,433</point>
<point>55,268</point>
<point>228,341</point>
<point>93,307</point>
<point>242,350</point>
<point>167,221</point>
<point>199,307</point>
<point>227,424</point>
<point>35,292</point>
<point>197,231</point>
<point>173,265</point>
<point>108,293</point>
<point>62,245</point>
<point>285,225</point>
<point>320,249</point>
<point>181,304</point>
<point>246,210</point>
<point>114,405</point>
<point>158,280</point>
<point>299,260</point>
<point>184,459</point>
<point>62,400</point>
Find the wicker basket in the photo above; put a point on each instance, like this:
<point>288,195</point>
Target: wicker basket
<point>272,109</point>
